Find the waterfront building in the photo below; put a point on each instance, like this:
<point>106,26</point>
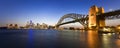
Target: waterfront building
<point>44,26</point>
<point>71,28</point>
<point>30,24</point>
<point>12,26</point>
<point>51,27</point>
<point>9,26</point>
<point>15,26</point>
<point>37,26</point>
<point>118,28</point>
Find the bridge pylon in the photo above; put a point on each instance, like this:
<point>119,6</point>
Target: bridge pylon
<point>96,21</point>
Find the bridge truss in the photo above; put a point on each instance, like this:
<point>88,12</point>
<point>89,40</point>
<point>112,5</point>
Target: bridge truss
<point>82,19</point>
<point>111,15</point>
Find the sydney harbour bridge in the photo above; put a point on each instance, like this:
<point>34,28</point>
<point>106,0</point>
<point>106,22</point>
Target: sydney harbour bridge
<point>94,20</point>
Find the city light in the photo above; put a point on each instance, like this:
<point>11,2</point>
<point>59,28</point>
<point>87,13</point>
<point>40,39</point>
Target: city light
<point>119,27</point>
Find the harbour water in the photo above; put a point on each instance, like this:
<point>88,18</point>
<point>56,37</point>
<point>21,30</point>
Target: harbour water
<point>31,38</point>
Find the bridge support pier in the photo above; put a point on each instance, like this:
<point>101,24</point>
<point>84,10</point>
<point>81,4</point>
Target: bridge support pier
<point>96,21</point>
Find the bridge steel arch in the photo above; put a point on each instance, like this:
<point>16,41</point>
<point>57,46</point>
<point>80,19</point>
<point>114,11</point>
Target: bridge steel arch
<point>82,19</point>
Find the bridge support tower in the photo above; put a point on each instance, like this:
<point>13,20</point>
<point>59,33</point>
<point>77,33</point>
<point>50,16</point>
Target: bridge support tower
<point>95,22</point>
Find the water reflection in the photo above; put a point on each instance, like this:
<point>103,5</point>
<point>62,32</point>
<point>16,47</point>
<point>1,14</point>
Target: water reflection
<point>93,40</point>
<point>106,41</point>
<point>57,39</point>
<point>96,40</point>
<point>30,38</point>
<point>118,43</point>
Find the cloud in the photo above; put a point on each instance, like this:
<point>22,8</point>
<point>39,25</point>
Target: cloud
<point>110,10</point>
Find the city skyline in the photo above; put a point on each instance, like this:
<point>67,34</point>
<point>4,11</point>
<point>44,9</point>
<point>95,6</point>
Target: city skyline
<point>49,11</point>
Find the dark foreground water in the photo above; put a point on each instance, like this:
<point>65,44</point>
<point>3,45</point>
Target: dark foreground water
<point>57,39</point>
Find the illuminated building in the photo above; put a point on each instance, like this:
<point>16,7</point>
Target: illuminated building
<point>37,26</point>
<point>118,28</point>
<point>30,24</point>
